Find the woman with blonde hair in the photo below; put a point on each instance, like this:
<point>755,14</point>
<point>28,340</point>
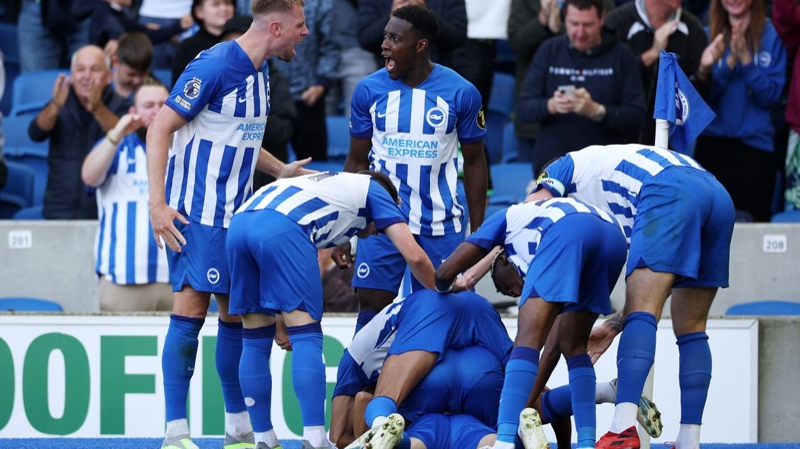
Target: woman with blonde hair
<point>747,63</point>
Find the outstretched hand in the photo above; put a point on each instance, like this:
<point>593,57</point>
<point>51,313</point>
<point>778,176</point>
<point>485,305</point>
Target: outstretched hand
<point>601,337</point>
<point>296,168</point>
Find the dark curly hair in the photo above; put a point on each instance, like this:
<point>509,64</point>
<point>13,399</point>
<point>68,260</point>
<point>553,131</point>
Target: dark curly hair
<point>422,20</point>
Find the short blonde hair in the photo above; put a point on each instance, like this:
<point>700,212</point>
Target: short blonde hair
<point>269,6</point>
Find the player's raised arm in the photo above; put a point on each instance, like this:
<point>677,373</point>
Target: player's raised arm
<point>162,216</point>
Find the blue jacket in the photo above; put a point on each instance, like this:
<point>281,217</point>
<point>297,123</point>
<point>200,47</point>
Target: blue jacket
<point>743,97</point>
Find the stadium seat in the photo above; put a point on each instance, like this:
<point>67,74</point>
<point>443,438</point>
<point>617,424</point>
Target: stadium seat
<point>510,181</point>
<point>22,304</point>
<point>338,136</point>
<point>16,131</point>
<point>510,145</point>
<point>29,213</point>
<point>325,166</point>
<point>502,96</point>
<point>163,75</point>
<point>33,90</point>
<point>35,159</point>
<point>789,216</point>
<point>769,308</point>
<point>18,192</point>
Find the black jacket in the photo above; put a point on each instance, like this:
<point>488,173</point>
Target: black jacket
<point>75,133</point>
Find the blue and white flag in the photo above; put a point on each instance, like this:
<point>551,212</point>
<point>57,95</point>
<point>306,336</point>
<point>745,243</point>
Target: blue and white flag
<point>678,102</point>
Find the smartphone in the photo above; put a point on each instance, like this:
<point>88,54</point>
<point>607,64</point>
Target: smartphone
<point>568,90</point>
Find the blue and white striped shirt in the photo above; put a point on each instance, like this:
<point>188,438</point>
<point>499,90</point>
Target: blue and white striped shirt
<point>331,207</point>
<point>611,177</point>
<point>415,134</point>
<point>125,250</point>
<point>520,228</point>
<point>225,101</point>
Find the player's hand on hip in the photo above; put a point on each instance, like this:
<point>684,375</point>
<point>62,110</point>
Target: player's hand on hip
<point>162,218</point>
<point>342,256</point>
<point>296,169</point>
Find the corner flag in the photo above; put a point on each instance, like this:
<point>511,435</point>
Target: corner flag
<point>678,103</point>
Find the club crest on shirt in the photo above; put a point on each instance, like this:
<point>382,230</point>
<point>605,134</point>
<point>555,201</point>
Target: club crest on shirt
<point>192,88</point>
<point>363,270</point>
<point>436,117</point>
<point>480,120</point>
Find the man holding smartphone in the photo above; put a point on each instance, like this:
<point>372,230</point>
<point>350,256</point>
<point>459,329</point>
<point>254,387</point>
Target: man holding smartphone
<point>582,87</point>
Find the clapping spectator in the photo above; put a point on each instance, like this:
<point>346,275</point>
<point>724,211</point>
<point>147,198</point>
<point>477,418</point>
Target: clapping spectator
<point>747,65</point>
<point>83,109</point>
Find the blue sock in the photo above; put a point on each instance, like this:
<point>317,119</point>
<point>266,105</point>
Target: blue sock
<point>405,443</point>
<point>582,382</point>
<point>557,403</point>
<point>523,365</point>
<point>255,377</point>
<point>229,352</point>
<point>694,373</point>
<point>308,372</point>
<point>364,317</point>
<point>379,406</point>
<point>637,348</point>
<point>177,363</point>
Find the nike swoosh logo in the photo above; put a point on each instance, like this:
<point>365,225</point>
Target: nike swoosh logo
<point>242,99</point>
<point>381,115</point>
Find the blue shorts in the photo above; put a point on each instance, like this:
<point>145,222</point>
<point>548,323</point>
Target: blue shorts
<point>578,262</point>
<point>380,266</point>
<point>273,266</point>
<point>467,380</point>
<point>434,322</point>
<point>438,431</point>
<point>202,264</point>
<point>683,225</point>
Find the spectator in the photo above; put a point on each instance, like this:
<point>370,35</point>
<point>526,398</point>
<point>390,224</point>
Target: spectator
<point>83,109</point>
<point>133,270</point>
<point>282,113</point>
<point>131,63</point>
<point>48,35</point>
<point>109,19</point>
<point>649,26</point>
<point>310,75</point>
<point>786,15</point>
<point>582,87</point>
<point>529,24</point>
<point>747,82</point>
<point>211,15</point>
<point>355,63</point>
<point>163,14</point>
<point>372,16</point>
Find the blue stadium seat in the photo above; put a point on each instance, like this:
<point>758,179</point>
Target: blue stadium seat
<point>325,166</point>
<point>29,213</point>
<point>502,96</point>
<point>36,159</point>
<point>789,216</point>
<point>163,75</point>
<point>16,131</point>
<point>18,192</point>
<point>338,136</point>
<point>510,181</point>
<point>510,144</point>
<point>22,304</point>
<point>33,90</point>
<point>770,308</point>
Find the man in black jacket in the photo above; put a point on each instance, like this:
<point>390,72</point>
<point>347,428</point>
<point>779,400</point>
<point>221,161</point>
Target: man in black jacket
<point>582,87</point>
<point>83,109</point>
